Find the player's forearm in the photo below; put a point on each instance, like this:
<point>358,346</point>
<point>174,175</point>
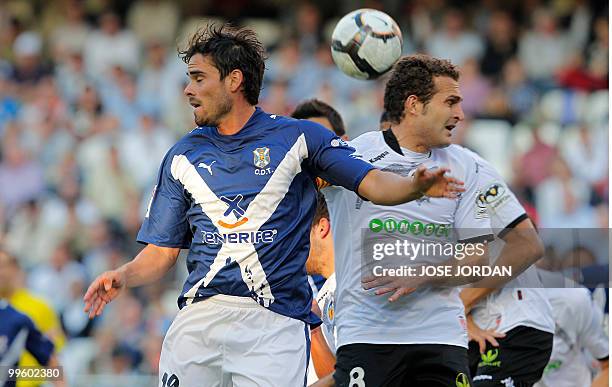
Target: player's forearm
<point>471,296</point>
<point>323,359</point>
<point>602,378</point>
<point>522,249</point>
<point>149,265</point>
<point>388,189</point>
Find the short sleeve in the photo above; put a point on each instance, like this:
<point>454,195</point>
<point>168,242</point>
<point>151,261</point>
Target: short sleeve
<point>166,223</point>
<point>332,158</point>
<point>37,344</point>
<point>498,200</point>
<point>472,223</point>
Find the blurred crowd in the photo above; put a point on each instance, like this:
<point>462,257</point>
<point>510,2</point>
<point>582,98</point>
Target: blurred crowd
<point>91,99</point>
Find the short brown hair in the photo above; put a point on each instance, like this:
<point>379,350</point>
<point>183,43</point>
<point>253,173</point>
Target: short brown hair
<point>414,75</point>
<point>231,49</point>
<point>321,211</point>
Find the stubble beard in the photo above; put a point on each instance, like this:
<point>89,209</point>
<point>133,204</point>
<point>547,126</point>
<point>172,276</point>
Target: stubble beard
<point>224,107</point>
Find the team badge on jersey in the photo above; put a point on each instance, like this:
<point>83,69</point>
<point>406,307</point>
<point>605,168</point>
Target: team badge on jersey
<point>492,193</point>
<point>261,157</point>
<point>328,311</point>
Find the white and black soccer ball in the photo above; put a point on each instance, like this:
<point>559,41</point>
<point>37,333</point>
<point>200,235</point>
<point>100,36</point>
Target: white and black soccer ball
<point>366,43</point>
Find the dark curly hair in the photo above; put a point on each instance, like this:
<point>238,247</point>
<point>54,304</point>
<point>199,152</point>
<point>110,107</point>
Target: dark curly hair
<point>231,49</point>
<point>317,108</point>
<point>414,75</point>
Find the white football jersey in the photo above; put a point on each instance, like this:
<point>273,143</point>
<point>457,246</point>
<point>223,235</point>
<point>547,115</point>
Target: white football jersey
<point>427,316</point>
<point>522,302</point>
<point>579,327</point>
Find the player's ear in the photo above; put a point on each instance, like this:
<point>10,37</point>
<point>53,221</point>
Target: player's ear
<point>324,227</point>
<point>234,80</point>
<point>411,105</point>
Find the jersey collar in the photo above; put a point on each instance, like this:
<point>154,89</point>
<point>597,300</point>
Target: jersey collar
<point>392,142</point>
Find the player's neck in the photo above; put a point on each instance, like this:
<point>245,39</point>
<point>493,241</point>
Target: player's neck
<point>234,121</point>
<point>327,267</point>
<point>407,139</point>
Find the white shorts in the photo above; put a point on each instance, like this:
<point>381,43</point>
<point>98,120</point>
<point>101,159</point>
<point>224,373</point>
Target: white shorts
<point>233,341</point>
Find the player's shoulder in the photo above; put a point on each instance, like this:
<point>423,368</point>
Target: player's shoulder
<point>13,315</point>
<point>461,161</point>
<point>460,152</point>
<point>372,137</point>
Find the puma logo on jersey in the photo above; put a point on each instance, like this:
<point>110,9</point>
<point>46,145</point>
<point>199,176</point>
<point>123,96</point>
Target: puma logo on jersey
<point>207,167</point>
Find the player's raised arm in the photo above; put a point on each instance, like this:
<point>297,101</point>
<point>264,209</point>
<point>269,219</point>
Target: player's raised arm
<point>387,188</point>
<point>148,266</point>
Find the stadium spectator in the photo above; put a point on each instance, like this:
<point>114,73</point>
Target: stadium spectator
<point>109,45</point>
<point>454,42</point>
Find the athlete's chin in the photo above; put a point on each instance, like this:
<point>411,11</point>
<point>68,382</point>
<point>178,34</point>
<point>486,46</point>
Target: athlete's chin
<point>204,121</point>
<point>443,142</point>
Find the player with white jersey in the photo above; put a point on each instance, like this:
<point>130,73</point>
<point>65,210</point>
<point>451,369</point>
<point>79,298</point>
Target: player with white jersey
<point>520,310</point>
<point>579,328</point>
<point>419,339</point>
<point>238,192</point>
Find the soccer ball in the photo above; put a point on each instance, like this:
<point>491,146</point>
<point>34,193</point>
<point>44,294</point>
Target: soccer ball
<point>366,43</point>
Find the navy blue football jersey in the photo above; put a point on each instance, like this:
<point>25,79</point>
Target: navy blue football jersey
<point>243,205</point>
<point>18,333</point>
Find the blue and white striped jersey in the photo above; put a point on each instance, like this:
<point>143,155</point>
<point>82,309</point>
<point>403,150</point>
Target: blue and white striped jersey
<point>17,334</point>
<point>243,205</point>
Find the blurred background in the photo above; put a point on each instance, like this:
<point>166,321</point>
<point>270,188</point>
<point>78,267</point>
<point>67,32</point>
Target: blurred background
<point>91,99</point>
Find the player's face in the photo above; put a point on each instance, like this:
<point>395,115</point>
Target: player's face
<point>315,254</point>
<point>207,92</point>
<point>443,112</point>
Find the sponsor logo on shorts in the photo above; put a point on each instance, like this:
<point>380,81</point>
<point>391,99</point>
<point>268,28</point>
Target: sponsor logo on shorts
<point>462,380</point>
<point>508,382</point>
<point>483,377</point>
<point>553,365</point>
<point>489,359</point>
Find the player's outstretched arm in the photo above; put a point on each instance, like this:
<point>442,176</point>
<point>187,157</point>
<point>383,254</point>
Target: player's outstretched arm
<point>148,266</point>
<point>387,188</point>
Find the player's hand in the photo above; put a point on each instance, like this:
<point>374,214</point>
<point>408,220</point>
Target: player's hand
<point>398,286</point>
<point>103,290</point>
<point>482,336</point>
<point>436,184</point>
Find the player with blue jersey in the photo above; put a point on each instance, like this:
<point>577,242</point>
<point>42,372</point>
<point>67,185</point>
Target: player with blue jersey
<point>238,192</point>
<point>17,334</point>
